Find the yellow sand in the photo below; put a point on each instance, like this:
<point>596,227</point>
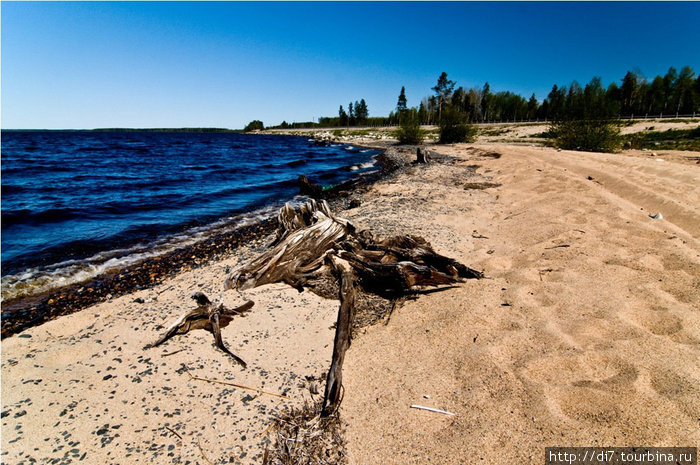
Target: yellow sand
<point>586,333</point>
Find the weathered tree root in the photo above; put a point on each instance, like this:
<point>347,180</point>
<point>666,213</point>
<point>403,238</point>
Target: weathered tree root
<point>206,316</point>
<point>311,242</point>
<point>303,238</point>
<point>343,332</point>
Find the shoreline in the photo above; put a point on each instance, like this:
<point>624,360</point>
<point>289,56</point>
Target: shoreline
<point>25,312</point>
<point>574,335</point>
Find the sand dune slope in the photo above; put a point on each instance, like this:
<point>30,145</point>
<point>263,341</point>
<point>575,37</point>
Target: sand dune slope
<point>587,333</point>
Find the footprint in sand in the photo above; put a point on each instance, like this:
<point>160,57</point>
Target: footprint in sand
<point>681,390</point>
<point>659,322</point>
<point>638,262</point>
<point>594,329</point>
<point>589,405</point>
<point>590,369</point>
<point>661,314</point>
<point>583,387</point>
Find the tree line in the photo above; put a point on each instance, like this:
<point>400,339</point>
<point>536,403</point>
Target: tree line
<point>672,94</point>
<point>583,117</point>
<point>675,93</point>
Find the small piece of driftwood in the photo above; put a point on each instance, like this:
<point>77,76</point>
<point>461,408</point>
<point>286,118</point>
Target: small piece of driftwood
<point>173,431</point>
<point>204,456</point>
<point>206,316</point>
<point>306,187</point>
<point>444,412</point>
<point>173,353</point>
<point>242,386</point>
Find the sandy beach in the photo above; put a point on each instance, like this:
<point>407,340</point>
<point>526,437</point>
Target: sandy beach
<point>586,331</point>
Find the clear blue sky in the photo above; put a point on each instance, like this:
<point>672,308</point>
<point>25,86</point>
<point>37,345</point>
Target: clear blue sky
<point>103,64</point>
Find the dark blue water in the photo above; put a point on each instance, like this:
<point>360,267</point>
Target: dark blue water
<point>76,203</point>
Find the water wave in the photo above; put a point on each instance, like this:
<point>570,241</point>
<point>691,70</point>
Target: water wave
<point>67,272</point>
<point>77,204</point>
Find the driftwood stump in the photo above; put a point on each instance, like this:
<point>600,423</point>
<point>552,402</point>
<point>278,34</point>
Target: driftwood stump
<point>303,239</point>
<point>343,332</point>
<point>306,187</point>
<point>206,316</point>
<point>311,241</point>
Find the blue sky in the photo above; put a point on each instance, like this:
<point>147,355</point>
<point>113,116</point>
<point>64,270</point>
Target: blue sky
<point>220,64</point>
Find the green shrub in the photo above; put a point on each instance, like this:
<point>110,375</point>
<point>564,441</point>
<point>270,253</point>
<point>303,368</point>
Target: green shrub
<point>548,134</point>
<point>409,131</point>
<point>672,139</point>
<point>588,135</point>
<point>455,128</point>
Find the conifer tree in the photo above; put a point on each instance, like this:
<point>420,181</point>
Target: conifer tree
<point>629,91</point>
<point>669,88</point>
<point>557,102</point>
<point>361,111</point>
<point>486,98</point>
<point>443,90</point>
<point>685,98</point>
<point>401,103</point>
<point>532,106</point>
<point>656,96</point>
<point>343,117</point>
<point>351,114</point>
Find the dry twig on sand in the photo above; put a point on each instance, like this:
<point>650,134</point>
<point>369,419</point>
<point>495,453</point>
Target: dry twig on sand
<point>302,436</point>
<point>204,456</point>
<point>430,409</point>
<point>173,431</point>
<point>227,383</point>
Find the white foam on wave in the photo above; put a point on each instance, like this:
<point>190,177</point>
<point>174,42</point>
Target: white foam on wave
<point>364,166</point>
<point>37,280</point>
